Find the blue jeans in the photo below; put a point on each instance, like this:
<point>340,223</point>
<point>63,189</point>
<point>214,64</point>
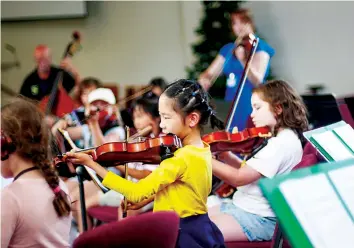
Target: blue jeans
<point>255,227</point>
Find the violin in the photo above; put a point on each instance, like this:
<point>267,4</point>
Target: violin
<point>146,150</point>
<point>248,141</point>
<point>243,142</point>
<point>245,42</point>
<point>80,115</point>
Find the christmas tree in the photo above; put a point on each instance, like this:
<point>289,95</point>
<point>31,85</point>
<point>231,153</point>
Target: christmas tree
<point>213,33</point>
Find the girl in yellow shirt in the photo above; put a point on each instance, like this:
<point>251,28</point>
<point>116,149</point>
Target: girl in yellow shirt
<point>181,183</point>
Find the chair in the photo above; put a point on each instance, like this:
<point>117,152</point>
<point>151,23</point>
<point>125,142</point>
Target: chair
<point>350,103</point>
<point>309,158</point>
<point>323,109</point>
<point>149,230</point>
<point>346,110</point>
<point>104,214</point>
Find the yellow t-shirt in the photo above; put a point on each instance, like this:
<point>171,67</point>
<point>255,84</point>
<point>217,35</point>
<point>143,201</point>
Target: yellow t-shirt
<point>181,183</point>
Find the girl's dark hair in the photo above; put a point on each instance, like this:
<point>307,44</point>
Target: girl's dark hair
<point>149,103</point>
<point>189,96</point>
<point>87,82</point>
<point>279,93</point>
<point>24,124</point>
<point>159,82</point>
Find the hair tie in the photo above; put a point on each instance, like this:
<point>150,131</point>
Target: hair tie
<point>57,190</point>
<point>194,93</point>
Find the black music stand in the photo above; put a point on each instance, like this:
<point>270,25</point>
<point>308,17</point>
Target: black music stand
<point>80,173</point>
<point>322,109</point>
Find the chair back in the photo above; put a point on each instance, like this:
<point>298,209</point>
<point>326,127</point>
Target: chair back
<point>148,230</point>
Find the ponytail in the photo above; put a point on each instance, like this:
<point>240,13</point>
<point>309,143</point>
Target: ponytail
<point>61,202</point>
<point>216,122</point>
<point>24,123</point>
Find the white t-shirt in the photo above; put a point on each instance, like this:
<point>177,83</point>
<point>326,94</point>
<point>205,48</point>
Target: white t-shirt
<point>140,166</point>
<point>279,156</point>
<point>28,217</point>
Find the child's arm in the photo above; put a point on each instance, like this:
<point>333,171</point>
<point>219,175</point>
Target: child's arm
<point>230,158</point>
<point>136,206</point>
<point>137,174</point>
<point>169,171</point>
<point>235,176</point>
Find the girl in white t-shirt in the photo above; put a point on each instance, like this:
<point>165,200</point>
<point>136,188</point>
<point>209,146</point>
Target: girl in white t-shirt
<point>35,207</point>
<point>249,217</point>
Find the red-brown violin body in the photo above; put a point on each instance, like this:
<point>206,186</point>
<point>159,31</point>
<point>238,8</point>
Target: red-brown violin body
<point>244,142</point>
<point>241,142</point>
<point>152,150</point>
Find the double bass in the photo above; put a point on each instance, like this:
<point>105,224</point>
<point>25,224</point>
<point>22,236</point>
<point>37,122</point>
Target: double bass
<point>246,142</point>
<point>59,103</point>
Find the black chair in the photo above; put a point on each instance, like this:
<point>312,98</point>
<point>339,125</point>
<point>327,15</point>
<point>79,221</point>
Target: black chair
<point>323,109</point>
<point>350,104</point>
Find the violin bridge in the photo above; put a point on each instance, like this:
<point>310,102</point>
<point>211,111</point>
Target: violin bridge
<point>268,135</point>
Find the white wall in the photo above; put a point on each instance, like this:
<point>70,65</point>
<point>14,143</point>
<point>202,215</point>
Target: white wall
<point>123,42</point>
<point>131,42</point>
<point>314,41</point>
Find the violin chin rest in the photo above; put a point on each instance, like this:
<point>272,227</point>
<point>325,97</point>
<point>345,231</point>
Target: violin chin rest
<point>165,152</point>
<point>166,156</point>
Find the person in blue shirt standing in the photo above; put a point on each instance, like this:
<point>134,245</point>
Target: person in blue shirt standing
<point>231,62</point>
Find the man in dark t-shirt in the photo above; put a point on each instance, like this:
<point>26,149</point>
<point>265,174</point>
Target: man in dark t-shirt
<point>40,81</point>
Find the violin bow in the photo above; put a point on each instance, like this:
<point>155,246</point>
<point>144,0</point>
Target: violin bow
<point>90,171</point>
<point>125,213</point>
<point>241,84</point>
<point>135,95</point>
<point>141,132</point>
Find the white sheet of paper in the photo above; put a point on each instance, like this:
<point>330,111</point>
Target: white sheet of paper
<point>343,180</point>
<point>319,211</point>
<point>346,132</point>
<point>335,148</point>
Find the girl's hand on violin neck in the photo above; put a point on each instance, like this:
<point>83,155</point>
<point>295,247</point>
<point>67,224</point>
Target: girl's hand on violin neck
<point>240,54</point>
<point>93,115</point>
<point>79,158</point>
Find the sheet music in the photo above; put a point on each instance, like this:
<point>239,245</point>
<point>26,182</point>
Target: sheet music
<point>343,180</point>
<point>319,211</point>
<point>333,146</point>
<point>94,177</point>
<point>346,132</point>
